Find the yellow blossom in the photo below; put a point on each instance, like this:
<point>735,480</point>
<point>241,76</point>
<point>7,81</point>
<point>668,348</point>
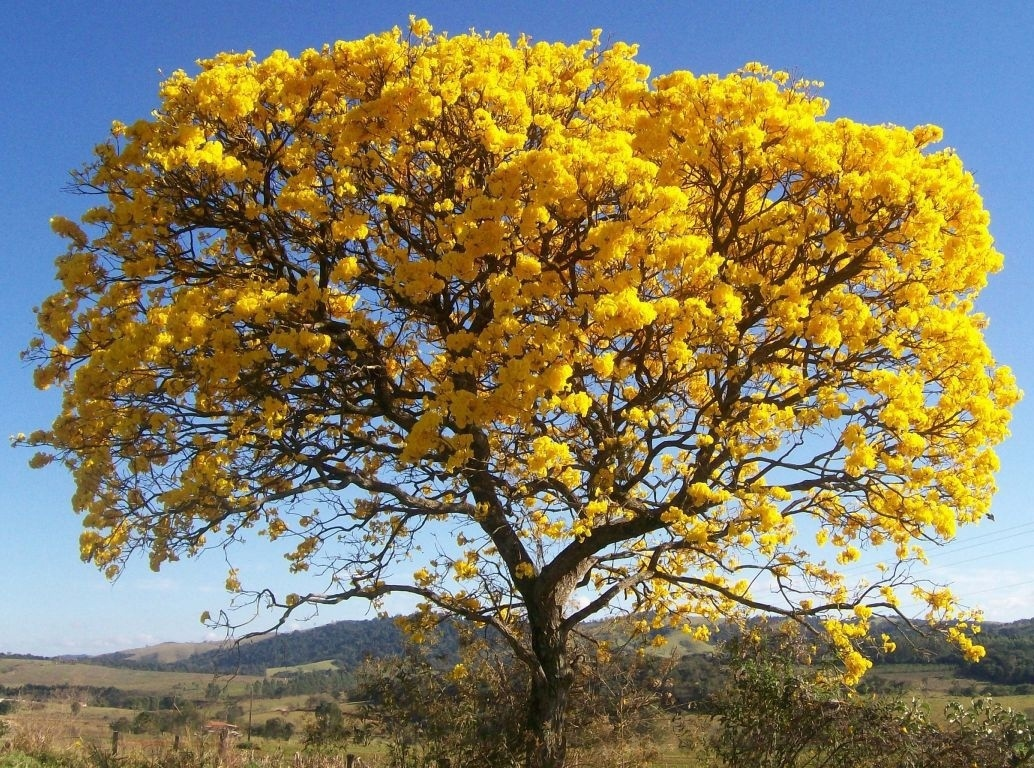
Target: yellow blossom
<point>520,313</point>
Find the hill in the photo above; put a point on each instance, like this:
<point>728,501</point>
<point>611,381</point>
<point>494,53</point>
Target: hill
<point>162,653</point>
<point>344,644</point>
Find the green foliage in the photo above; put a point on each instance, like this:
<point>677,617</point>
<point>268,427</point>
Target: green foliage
<point>304,683</point>
<point>1010,655</point>
<point>327,725</point>
<point>777,712</point>
<point>176,718</point>
<point>1009,660</point>
<point>346,642</point>
<point>769,709</point>
<point>21,760</point>
<point>1009,647</point>
<point>987,734</point>
<point>695,679</point>
<point>274,728</point>
<point>426,714</point>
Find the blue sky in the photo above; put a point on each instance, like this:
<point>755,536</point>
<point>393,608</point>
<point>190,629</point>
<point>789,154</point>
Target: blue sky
<point>70,68</point>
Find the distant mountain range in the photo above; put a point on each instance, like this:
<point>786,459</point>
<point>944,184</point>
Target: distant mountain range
<point>1009,660</point>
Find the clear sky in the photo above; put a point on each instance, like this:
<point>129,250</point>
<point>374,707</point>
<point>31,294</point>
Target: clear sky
<point>69,68</point>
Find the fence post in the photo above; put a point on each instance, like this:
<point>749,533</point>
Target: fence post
<point>114,743</point>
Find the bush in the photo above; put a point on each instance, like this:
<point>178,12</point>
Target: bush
<point>427,713</point>
<point>986,734</point>
<point>327,725</point>
<point>470,713</point>
<point>275,728</point>
<point>778,712</point>
<point>22,760</point>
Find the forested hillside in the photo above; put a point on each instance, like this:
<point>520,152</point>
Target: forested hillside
<point>1009,659</point>
<point>1010,654</point>
<point>344,642</point>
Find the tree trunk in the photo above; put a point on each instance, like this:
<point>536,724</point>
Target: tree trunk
<point>547,709</point>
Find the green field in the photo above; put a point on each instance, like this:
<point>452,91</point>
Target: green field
<point>48,672</point>
<point>314,666</point>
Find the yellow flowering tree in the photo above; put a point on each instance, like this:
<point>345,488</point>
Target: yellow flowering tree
<point>552,334</point>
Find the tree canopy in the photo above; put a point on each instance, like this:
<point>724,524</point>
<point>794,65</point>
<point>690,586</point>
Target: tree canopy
<point>515,328</point>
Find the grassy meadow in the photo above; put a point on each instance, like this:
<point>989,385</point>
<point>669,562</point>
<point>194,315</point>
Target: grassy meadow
<point>67,727</point>
<point>16,672</point>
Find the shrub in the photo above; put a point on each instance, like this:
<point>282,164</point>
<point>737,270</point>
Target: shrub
<point>327,725</point>
<point>275,728</point>
<point>470,713</point>
<point>778,712</point>
<point>21,760</point>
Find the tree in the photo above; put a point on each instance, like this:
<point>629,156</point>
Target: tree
<point>562,336</point>
<point>327,725</point>
<point>615,713</point>
<point>278,728</point>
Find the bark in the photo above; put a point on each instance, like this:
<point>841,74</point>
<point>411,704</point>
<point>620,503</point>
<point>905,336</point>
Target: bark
<point>550,687</point>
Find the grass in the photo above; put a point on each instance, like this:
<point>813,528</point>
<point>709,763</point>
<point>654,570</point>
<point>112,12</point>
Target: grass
<point>936,686</point>
<point>65,734</point>
<point>49,737</point>
<point>15,673</point>
<point>52,736</point>
<point>61,734</point>
<point>313,666</point>
<point>21,760</point>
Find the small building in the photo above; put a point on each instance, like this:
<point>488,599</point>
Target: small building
<point>223,729</point>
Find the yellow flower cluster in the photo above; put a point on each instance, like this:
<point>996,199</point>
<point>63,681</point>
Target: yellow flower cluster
<point>523,284</point>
